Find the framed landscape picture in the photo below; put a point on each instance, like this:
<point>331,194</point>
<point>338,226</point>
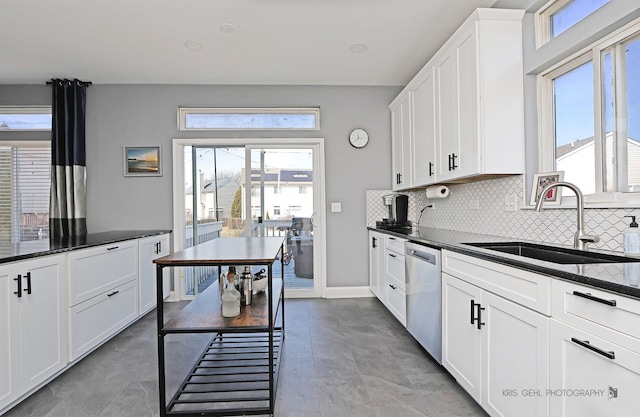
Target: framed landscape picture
<point>142,161</point>
<point>540,181</point>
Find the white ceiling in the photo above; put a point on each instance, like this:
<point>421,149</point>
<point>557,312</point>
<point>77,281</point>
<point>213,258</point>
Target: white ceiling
<point>274,41</point>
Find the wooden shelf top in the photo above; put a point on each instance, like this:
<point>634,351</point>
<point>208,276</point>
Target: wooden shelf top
<point>204,313</point>
<point>227,251</point>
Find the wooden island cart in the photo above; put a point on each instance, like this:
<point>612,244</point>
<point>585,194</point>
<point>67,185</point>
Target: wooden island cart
<point>237,373</point>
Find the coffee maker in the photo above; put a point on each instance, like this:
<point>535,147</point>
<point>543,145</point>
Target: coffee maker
<point>396,220</point>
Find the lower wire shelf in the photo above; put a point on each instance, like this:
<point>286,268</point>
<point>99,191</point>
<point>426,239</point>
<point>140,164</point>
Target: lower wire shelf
<point>231,377</point>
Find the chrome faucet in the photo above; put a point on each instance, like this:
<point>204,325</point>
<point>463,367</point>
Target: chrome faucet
<point>581,239</point>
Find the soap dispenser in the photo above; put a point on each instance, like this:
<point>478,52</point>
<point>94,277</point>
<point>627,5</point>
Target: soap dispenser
<point>632,238</point>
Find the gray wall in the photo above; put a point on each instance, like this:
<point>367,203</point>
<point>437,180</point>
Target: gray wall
<point>135,115</point>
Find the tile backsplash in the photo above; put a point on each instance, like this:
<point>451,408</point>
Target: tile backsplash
<point>479,207</point>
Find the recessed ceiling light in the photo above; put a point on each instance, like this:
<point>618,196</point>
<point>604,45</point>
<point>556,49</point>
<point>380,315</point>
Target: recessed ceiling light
<point>193,45</point>
<point>358,48</point>
<point>227,28</point>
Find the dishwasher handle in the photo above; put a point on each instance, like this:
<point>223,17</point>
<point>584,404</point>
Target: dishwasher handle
<point>424,256</point>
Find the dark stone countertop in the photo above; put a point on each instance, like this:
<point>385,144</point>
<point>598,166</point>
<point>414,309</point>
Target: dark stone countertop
<point>621,278</point>
<point>35,248</point>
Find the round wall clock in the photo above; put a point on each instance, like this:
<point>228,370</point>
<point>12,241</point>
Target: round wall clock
<point>359,138</point>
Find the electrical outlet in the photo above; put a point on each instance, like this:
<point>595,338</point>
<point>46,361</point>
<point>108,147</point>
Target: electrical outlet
<point>511,202</point>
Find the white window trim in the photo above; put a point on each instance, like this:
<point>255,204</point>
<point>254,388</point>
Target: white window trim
<point>183,111</point>
<point>546,145</point>
<point>542,20</point>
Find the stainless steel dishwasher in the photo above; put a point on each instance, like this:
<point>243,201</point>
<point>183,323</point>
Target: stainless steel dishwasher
<point>423,283</point>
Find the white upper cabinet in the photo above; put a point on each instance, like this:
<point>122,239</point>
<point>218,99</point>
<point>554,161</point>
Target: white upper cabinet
<point>401,132</point>
<point>423,169</point>
<point>467,113</point>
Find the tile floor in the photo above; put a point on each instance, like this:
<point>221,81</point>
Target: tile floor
<point>344,357</point>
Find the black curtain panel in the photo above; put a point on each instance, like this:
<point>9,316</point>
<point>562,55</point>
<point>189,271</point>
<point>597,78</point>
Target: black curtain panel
<point>68,208</point>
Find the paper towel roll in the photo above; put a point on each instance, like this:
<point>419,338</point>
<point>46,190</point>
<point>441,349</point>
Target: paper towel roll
<point>437,191</point>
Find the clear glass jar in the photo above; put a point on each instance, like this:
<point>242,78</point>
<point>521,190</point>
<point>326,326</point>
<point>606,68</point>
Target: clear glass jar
<point>230,299</point>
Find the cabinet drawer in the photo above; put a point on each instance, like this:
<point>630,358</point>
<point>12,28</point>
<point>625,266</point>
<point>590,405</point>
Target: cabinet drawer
<point>574,366</point>
<point>97,319</point>
<point>594,310</point>
<point>523,287</point>
<point>94,271</point>
<point>394,269</point>
<point>395,244</point>
<point>397,304</point>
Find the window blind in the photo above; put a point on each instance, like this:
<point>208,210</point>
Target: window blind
<point>24,192</point>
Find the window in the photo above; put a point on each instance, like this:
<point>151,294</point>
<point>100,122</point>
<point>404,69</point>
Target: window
<point>276,189</point>
<point>24,191</point>
<point>25,118</point>
<point>589,109</point>
<point>302,189</point>
<point>276,210</point>
<point>559,15</point>
<point>249,119</point>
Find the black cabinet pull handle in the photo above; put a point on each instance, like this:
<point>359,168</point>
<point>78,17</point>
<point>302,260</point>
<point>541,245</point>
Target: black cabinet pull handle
<point>399,178</point>
<point>28,289</point>
<point>112,293</point>
<point>480,322</point>
<point>393,287</point>
<point>19,292</point>
<point>113,247</point>
<point>588,296</point>
<point>477,319</point>
<point>374,242</point>
<point>159,246</point>
<point>392,255</point>
<point>430,169</point>
<point>449,162</point>
<point>585,343</point>
<point>453,161</point>
<point>472,309</point>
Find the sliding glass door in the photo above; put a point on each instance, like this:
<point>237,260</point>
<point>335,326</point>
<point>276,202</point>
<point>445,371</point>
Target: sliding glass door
<point>282,202</point>
<point>246,189</point>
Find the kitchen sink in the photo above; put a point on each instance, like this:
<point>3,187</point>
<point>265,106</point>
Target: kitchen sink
<point>552,253</point>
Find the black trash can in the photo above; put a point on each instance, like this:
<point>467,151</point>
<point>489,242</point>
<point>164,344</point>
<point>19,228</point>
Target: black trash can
<point>302,246</point>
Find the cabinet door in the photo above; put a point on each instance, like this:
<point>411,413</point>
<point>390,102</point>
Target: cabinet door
<point>401,140</point>
<point>448,145</point>
<point>467,153</point>
<point>151,248</point>
<point>461,339</point>
<point>9,335</point>
<point>610,373</point>
<point>423,152</point>
<point>515,359</point>
<point>43,319</point>
<point>375,249</point>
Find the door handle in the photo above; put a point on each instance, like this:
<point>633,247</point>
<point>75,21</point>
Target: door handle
<point>430,169</point>
<point>28,289</point>
<point>477,319</point>
<point>112,293</point>
<point>19,292</point>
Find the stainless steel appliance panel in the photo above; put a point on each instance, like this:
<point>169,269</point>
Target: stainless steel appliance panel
<point>423,285</point>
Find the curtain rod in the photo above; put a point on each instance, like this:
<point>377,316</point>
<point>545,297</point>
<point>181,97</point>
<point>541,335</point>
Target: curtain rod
<point>88,83</point>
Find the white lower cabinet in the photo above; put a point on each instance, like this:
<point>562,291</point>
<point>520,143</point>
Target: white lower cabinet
<point>33,325</point>
<point>594,352</point>
<point>151,248</point>
<point>387,274</point>
<point>376,249</point>
<point>590,376</point>
<point>496,349</point>
<point>95,320</point>
<point>103,294</point>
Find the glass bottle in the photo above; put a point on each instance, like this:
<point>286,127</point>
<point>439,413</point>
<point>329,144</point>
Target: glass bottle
<point>230,298</point>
